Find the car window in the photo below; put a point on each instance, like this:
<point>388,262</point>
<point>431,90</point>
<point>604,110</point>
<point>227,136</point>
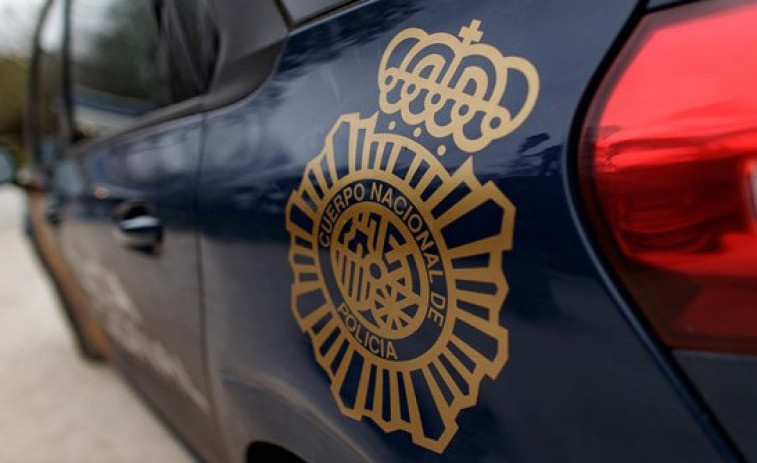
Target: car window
<point>119,65</point>
<point>131,57</point>
<point>49,106</point>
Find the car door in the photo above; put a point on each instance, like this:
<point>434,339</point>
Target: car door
<point>124,197</point>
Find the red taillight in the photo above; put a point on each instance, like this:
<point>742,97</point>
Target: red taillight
<point>668,169</point>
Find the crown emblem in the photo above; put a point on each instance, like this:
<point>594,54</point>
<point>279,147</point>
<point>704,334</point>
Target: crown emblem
<point>454,85</point>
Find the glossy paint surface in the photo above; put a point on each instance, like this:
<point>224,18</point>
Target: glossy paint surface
<point>727,383</point>
<point>579,384</point>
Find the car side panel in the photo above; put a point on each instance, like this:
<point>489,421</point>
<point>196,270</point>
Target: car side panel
<point>727,383</point>
<point>579,385</point>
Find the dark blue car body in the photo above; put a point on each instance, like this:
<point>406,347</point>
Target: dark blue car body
<point>207,333</point>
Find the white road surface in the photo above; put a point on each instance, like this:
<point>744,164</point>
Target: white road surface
<point>54,406</point>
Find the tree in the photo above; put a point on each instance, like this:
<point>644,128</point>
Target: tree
<point>13,90</point>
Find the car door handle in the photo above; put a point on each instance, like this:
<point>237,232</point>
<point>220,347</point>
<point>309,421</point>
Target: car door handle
<point>53,208</point>
<point>143,232</point>
<point>52,214</point>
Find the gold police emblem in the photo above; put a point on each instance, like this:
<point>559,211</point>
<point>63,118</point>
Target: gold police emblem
<point>400,299</point>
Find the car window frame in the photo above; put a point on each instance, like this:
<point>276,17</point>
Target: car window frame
<point>303,11</point>
<point>261,52</point>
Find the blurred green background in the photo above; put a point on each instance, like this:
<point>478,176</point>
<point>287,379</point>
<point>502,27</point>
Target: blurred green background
<point>12,102</point>
<point>17,21</point>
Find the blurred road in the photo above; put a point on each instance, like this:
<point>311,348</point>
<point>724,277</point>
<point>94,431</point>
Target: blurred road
<point>54,407</point>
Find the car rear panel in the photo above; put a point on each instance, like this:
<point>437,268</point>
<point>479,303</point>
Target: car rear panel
<point>583,380</point>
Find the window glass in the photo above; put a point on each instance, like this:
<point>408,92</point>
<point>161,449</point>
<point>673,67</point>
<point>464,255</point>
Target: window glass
<point>119,66</point>
<point>189,31</point>
<point>49,104</point>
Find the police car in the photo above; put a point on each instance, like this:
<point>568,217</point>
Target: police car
<point>428,230</point>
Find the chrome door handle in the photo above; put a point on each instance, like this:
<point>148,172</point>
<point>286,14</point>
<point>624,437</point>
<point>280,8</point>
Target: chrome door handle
<point>143,232</point>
